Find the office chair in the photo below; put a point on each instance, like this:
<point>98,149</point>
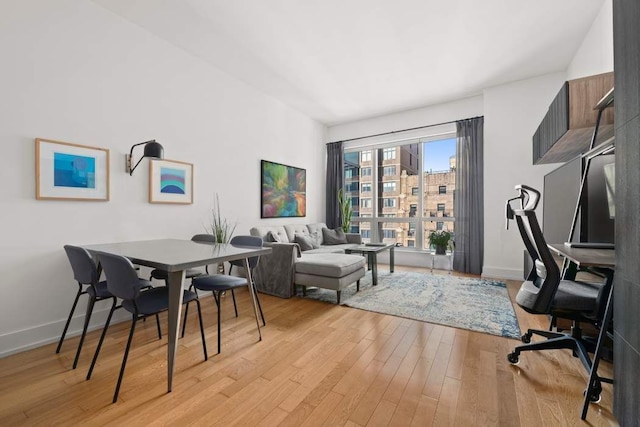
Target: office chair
<point>87,274</point>
<point>219,283</point>
<point>123,282</point>
<point>545,292</point>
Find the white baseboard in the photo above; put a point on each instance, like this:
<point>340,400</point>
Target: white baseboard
<point>37,336</point>
<point>502,273</point>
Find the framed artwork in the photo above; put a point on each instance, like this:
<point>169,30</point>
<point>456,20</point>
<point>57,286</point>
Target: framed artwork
<point>170,181</point>
<point>284,190</point>
<point>66,171</point>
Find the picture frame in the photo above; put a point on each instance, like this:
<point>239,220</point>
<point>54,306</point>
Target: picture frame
<point>283,190</point>
<point>171,182</point>
<point>67,171</point>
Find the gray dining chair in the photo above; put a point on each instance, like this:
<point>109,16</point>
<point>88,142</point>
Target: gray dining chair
<point>123,282</point>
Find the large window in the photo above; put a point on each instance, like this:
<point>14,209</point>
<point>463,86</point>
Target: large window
<point>418,200</point>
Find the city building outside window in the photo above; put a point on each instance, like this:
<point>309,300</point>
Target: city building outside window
<point>439,225</point>
<point>389,234</point>
<point>365,156</point>
<point>366,187</point>
<point>365,172</point>
<point>389,170</point>
<point>389,202</point>
<point>365,203</point>
<point>412,210</point>
<point>442,189</point>
<point>415,191</point>
<point>440,207</point>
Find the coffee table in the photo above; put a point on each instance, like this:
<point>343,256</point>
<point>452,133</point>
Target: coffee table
<point>371,250</point>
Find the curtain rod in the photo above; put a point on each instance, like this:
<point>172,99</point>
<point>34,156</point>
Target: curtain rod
<point>403,130</point>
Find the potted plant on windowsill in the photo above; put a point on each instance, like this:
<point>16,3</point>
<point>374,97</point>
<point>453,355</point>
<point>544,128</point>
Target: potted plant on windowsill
<point>440,239</point>
<point>346,211</point>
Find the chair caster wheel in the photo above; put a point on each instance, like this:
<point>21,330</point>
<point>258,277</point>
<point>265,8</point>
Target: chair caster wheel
<point>595,396</point>
<point>526,338</point>
<point>513,358</point>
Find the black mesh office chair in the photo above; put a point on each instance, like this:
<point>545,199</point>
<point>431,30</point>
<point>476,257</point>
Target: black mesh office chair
<point>123,282</point>
<point>87,274</point>
<point>545,292</point>
<point>219,283</point>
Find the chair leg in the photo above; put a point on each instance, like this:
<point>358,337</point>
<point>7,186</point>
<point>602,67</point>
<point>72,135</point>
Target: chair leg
<point>66,325</point>
<point>204,342</point>
<point>158,325</point>
<point>104,332</point>
<point>235,307</point>
<point>184,320</point>
<point>219,307</point>
<point>87,318</point>
<point>126,356</point>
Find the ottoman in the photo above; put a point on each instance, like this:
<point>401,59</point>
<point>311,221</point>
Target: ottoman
<point>329,271</point>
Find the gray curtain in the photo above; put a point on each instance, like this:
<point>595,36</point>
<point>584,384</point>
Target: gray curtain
<point>335,181</point>
<point>468,201</point>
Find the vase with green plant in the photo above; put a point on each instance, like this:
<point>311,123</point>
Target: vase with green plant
<point>346,212</point>
<point>440,240</point>
<point>219,227</point>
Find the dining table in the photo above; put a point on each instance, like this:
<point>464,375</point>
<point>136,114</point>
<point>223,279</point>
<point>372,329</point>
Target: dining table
<point>176,256</point>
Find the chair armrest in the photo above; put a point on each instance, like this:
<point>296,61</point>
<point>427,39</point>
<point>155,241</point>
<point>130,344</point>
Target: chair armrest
<point>275,272</point>
<point>354,238</point>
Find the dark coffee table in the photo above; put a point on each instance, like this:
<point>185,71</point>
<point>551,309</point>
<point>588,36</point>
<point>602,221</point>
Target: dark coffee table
<point>371,250</point>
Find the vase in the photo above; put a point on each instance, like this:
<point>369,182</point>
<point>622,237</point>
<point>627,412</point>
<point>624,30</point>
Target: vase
<point>441,250</point>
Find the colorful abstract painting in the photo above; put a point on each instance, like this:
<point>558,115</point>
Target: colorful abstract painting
<point>284,191</point>
<point>172,181</point>
<point>70,170</point>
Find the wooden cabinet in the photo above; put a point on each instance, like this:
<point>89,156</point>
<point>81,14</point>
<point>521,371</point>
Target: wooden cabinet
<point>567,128</point>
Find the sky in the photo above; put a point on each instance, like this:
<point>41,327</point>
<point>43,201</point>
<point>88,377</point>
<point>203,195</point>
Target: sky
<point>437,153</point>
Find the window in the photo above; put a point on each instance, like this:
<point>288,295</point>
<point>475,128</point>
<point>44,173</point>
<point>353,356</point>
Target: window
<point>388,153</point>
<point>389,234</point>
<point>348,173</point>
<point>388,187</point>
<point>424,170</point>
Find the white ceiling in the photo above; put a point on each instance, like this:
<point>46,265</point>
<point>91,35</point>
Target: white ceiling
<point>343,60</point>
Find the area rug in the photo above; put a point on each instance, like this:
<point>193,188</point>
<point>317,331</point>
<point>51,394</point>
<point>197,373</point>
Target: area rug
<point>467,303</point>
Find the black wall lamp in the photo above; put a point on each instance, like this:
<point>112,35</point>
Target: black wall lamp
<point>152,149</point>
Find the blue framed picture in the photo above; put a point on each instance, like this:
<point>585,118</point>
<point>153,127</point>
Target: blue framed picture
<point>66,171</point>
<point>170,181</point>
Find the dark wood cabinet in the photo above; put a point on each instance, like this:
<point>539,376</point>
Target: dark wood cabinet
<point>567,128</point>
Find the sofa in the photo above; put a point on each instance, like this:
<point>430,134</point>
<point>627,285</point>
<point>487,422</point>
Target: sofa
<point>276,272</point>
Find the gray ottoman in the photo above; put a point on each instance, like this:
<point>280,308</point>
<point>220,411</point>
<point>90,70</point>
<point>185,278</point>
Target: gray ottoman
<point>329,271</point>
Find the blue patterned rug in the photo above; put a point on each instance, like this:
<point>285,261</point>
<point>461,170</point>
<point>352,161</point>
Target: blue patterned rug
<point>475,304</point>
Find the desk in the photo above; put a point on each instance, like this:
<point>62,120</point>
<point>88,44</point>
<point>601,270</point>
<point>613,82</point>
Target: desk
<point>175,256</point>
<point>602,261</point>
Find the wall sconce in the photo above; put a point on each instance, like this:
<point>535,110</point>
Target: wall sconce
<point>152,149</point>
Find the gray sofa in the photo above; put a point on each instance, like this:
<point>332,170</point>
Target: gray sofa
<point>275,274</point>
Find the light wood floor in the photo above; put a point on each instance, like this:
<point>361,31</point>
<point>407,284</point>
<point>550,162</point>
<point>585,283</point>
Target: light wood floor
<point>318,364</point>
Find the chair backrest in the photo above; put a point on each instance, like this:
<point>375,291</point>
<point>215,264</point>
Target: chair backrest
<point>84,267</point>
<point>247,241</point>
<point>545,274</point>
<point>122,279</point>
<point>204,238</point>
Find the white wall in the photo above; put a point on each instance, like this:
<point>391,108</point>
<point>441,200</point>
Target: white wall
<point>595,55</point>
<point>75,72</point>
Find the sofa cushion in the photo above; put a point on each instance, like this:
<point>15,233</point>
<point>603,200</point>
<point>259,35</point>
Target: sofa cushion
<point>272,236</point>
<point>293,229</point>
<point>333,237</point>
<point>315,230</point>
<point>263,231</point>
<point>329,265</point>
<point>306,242</point>
<point>332,249</point>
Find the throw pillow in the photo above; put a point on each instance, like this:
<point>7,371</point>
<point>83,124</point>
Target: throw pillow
<point>306,243</point>
<point>272,236</point>
<point>334,237</point>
